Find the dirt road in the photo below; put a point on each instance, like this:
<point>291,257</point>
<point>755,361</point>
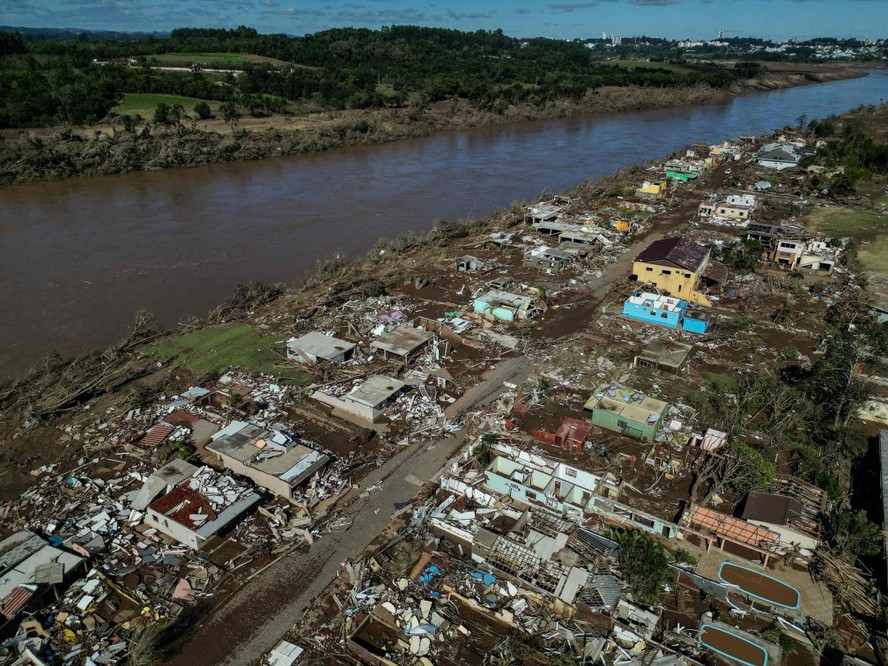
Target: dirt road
<point>573,318</point>
<point>261,612</point>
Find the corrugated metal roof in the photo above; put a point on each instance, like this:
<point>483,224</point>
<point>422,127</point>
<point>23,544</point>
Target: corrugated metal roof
<point>16,600</point>
<point>181,503</point>
<point>156,435</point>
<point>679,252</point>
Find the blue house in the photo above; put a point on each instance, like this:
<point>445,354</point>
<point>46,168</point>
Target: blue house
<point>664,311</point>
<point>695,322</point>
<point>655,309</point>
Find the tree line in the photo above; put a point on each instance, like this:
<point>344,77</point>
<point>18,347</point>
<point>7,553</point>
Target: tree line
<point>78,81</point>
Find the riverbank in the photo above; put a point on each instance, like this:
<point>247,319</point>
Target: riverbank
<point>77,431</point>
<point>52,154</point>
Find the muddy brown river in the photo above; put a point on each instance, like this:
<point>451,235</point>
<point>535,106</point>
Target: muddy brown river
<point>78,257</point>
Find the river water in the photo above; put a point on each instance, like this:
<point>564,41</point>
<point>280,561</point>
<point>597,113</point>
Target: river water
<point>78,257</point>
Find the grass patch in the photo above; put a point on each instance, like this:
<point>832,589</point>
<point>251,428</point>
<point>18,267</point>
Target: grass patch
<point>223,60</point>
<point>721,379</point>
<point>868,228</point>
<point>861,225</point>
<point>145,103</point>
<point>217,348</point>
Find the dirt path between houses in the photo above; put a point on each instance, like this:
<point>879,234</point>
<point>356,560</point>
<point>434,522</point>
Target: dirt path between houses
<point>263,611</point>
<point>568,321</point>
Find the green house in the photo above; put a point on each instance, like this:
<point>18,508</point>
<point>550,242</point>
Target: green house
<point>683,176</point>
<point>626,411</point>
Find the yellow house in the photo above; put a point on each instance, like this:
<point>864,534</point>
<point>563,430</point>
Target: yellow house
<point>652,190</point>
<point>674,266</point>
<point>623,226</point>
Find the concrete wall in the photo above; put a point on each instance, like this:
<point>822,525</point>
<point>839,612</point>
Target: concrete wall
<point>261,479</point>
<point>359,410</point>
<point>679,282</point>
<point>175,530</point>
<point>732,213</point>
<point>653,316</point>
<point>694,325</point>
<point>609,420</point>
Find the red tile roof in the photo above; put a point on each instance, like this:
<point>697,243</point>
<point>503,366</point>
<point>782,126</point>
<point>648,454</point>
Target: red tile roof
<point>156,435</point>
<point>180,503</point>
<point>675,252</point>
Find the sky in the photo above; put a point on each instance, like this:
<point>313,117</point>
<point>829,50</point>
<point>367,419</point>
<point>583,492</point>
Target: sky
<point>679,19</point>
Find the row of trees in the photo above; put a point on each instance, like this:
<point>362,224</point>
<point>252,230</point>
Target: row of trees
<point>335,69</point>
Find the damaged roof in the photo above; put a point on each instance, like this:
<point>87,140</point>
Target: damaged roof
<point>402,340</point>
<point>735,529</point>
<point>666,351</point>
<point>768,508</point>
<point>675,252</point>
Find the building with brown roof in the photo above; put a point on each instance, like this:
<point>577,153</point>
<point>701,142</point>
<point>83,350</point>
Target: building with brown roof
<point>674,266</point>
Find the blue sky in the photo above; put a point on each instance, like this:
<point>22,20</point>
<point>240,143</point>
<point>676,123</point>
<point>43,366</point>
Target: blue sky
<point>775,19</point>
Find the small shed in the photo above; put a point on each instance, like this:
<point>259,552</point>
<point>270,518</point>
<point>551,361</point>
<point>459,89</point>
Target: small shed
<point>695,321</point>
<point>468,263</point>
<point>573,433</point>
<point>313,347</point>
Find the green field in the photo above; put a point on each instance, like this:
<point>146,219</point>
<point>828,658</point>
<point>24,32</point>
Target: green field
<point>145,103</point>
<point>217,348</point>
<point>861,225</point>
<point>222,60</point>
<point>867,227</point>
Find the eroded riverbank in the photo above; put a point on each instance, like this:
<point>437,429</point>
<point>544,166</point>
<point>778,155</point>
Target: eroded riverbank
<point>105,149</point>
<point>80,256</point>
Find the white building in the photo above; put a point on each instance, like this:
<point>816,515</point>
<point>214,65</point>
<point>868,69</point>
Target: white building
<point>312,347</point>
<point>201,507</point>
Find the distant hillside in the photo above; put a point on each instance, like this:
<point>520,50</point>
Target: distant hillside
<point>64,34</point>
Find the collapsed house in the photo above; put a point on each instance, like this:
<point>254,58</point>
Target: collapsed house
<point>402,341</point>
<point>162,481</point>
<point>468,263</point>
<point>542,213</point>
<point>201,507</point>
<point>652,190</point>
<point>684,170</point>
<point>271,459</point>
<point>504,305</point>
<point>30,567</point>
<point>548,259</point>
<point>784,515</point>
<point>664,353</point>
